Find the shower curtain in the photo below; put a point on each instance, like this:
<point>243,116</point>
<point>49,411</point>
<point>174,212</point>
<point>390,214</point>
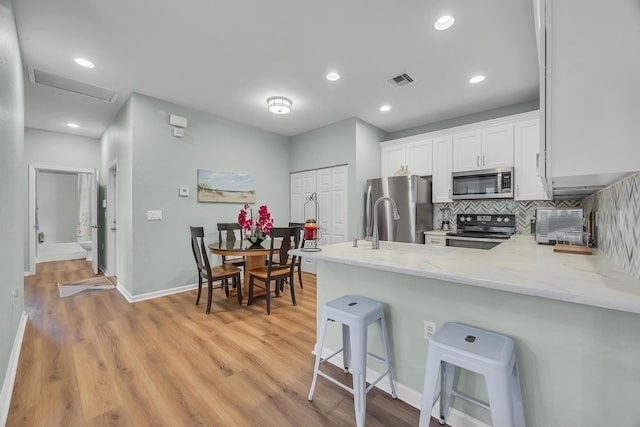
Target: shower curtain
<point>84,206</point>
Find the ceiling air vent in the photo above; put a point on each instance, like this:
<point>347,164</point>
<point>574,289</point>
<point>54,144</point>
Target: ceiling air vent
<point>400,80</point>
<point>64,83</point>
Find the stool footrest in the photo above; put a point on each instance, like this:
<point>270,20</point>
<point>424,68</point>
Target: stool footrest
<point>377,380</point>
<point>470,399</point>
<point>336,382</point>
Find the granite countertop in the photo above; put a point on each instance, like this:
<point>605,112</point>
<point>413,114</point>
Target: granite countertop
<point>519,265</point>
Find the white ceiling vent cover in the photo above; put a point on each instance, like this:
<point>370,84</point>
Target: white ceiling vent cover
<point>400,80</point>
<point>64,83</point>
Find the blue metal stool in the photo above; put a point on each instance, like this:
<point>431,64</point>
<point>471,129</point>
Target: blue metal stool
<point>356,314</point>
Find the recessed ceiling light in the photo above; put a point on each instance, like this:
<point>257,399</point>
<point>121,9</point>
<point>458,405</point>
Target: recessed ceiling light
<point>444,22</point>
<point>279,104</point>
<point>84,62</point>
<point>385,108</point>
<point>476,79</point>
<point>333,76</point>
<point>73,125</point>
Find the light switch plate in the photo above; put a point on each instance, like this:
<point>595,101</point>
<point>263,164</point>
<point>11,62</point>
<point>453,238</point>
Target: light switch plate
<point>183,191</point>
<point>154,215</point>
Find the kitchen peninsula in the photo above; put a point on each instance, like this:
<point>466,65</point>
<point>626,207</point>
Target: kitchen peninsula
<point>575,319</point>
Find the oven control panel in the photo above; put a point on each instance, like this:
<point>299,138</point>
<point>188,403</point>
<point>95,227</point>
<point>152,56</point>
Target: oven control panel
<point>490,220</point>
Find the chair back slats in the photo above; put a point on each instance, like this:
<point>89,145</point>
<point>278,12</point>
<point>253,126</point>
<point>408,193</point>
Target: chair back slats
<point>230,230</point>
<point>199,249</point>
<point>290,237</point>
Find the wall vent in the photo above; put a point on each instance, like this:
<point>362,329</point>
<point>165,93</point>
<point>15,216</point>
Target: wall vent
<point>400,80</point>
<point>64,83</point>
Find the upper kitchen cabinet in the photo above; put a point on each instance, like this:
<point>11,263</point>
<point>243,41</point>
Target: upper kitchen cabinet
<point>486,148</point>
<point>528,185</point>
<point>442,186</point>
<point>415,154</point>
<point>590,95</point>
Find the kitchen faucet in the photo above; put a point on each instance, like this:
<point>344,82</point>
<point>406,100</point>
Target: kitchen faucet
<point>375,242</point>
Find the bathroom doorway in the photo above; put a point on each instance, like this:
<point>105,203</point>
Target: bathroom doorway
<point>111,222</point>
<point>62,214</point>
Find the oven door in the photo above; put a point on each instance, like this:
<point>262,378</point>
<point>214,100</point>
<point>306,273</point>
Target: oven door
<point>472,243</point>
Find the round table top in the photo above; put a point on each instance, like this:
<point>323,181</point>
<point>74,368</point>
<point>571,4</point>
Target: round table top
<point>241,247</point>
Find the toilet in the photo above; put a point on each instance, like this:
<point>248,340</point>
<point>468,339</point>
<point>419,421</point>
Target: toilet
<point>86,244</point>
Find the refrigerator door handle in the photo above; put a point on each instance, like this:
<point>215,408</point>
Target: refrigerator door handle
<point>368,230</point>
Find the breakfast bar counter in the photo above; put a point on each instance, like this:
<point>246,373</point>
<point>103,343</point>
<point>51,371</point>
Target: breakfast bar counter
<point>574,319</point>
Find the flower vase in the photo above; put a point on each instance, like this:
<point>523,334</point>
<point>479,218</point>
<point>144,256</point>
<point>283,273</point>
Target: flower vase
<point>256,242</point>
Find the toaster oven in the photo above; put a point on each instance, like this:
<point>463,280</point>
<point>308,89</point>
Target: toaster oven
<point>552,222</point>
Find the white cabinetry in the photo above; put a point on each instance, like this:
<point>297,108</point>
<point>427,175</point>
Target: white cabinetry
<point>485,148</point>
<point>592,124</point>
<point>435,238</point>
<point>442,165</point>
<point>415,154</point>
<point>528,185</point>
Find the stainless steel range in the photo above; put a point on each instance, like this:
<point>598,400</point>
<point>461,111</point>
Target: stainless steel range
<point>481,231</point>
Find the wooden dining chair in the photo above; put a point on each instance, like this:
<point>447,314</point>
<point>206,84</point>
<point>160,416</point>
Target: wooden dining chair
<point>206,272</point>
<point>280,264</point>
<point>227,233</point>
<point>298,265</point>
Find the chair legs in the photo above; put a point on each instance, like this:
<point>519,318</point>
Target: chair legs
<point>199,289</point>
<point>279,285</point>
<point>300,275</point>
<point>235,282</point>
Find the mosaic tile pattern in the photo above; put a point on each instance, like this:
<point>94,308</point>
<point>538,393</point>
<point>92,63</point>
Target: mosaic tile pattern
<point>524,211</point>
<point>622,247</point>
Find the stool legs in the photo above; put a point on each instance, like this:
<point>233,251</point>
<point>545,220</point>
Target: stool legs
<point>358,367</point>
<point>387,356</point>
<point>346,348</point>
<point>446,385</point>
<point>429,388</point>
<point>319,346</point>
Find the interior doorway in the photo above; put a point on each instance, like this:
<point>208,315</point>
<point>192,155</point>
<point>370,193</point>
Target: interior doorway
<point>85,245</point>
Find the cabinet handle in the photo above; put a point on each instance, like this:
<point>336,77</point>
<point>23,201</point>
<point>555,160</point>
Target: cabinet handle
<point>484,160</point>
<point>477,160</point>
<point>449,193</point>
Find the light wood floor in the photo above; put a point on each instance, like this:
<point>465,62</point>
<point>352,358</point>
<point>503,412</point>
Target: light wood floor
<point>96,360</point>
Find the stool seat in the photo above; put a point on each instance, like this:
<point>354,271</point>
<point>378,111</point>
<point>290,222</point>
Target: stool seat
<point>355,313</point>
<point>492,355</point>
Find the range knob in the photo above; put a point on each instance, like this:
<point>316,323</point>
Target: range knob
<point>468,218</point>
<point>499,219</point>
<point>506,219</point>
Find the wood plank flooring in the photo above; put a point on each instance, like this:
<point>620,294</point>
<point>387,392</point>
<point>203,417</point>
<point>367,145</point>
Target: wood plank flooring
<point>96,360</point>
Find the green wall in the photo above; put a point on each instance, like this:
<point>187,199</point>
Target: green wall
<point>44,148</point>
<point>352,142</point>
<point>575,361</point>
<point>471,118</point>
<point>11,177</point>
<point>152,165</point>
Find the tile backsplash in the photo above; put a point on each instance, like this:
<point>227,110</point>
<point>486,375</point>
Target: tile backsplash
<point>524,211</point>
<point>617,225</point>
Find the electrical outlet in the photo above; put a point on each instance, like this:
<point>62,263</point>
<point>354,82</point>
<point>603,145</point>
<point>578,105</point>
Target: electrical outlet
<point>429,329</point>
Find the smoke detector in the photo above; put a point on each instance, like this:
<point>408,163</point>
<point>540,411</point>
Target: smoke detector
<point>400,80</point>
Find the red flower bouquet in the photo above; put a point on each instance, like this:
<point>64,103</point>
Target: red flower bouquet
<point>255,230</point>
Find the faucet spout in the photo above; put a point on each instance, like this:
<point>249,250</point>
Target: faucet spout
<point>375,241</point>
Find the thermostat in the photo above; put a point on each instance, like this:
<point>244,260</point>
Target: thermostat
<point>184,191</point>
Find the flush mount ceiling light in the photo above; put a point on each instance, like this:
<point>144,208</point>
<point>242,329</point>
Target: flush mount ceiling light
<point>84,62</point>
<point>333,76</point>
<point>385,108</point>
<point>279,104</point>
<point>444,22</point>
<point>476,79</point>
<point>73,125</point>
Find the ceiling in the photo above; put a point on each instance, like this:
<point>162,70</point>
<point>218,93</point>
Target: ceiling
<point>227,57</point>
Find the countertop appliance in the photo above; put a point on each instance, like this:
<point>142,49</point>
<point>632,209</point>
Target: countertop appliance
<point>483,184</point>
<point>412,196</point>
<point>481,231</point>
<point>550,222</point>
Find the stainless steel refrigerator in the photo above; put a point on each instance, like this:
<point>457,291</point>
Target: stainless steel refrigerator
<point>412,195</point>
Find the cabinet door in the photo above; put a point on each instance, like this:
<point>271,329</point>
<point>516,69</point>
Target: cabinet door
<point>419,157</point>
<point>467,148</point>
<point>528,185</point>
<point>391,158</point>
<point>442,168</point>
<point>303,184</point>
<point>497,147</point>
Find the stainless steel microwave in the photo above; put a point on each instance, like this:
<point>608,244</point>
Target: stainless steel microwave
<point>483,184</point>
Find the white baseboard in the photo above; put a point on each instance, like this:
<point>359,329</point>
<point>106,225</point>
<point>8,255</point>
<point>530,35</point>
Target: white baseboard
<point>12,368</point>
<point>408,395</point>
<point>156,294</point>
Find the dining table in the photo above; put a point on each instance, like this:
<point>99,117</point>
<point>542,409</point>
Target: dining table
<point>254,257</point>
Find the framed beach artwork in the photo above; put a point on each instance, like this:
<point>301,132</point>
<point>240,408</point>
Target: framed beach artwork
<point>225,187</point>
